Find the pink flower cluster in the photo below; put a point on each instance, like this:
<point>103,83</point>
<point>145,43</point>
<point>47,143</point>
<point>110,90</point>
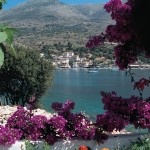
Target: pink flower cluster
<point>128,111</point>
<point>142,83</point>
<point>77,124</point>
<point>8,136</point>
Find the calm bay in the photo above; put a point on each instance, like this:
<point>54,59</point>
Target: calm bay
<point>84,88</point>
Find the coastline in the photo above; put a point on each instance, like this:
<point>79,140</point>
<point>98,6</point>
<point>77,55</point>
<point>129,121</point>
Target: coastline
<point>100,68</point>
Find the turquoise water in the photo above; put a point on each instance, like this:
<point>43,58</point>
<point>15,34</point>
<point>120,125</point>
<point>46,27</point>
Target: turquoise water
<point>83,88</point>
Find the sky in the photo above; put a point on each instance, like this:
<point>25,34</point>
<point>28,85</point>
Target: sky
<point>11,3</point>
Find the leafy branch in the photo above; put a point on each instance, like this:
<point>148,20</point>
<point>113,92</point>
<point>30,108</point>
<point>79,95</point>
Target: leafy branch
<point>6,37</point>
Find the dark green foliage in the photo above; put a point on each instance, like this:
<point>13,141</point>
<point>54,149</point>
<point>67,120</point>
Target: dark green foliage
<point>81,51</point>
<point>105,51</point>
<point>140,144</point>
<point>24,76</point>
<point>1,5</point>
<point>36,145</point>
<point>69,46</point>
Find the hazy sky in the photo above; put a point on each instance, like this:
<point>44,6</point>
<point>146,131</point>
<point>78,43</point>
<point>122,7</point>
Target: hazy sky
<point>12,3</point>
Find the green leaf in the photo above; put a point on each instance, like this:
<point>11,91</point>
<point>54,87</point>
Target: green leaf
<point>1,57</point>
<point>3,37</point>
<point>7,36</point>
<point>13,50</point>
<point>9,32</point>
<point>3,1</point>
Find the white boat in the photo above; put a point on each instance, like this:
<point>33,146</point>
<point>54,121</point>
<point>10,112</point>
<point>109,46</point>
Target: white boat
<point>92,71</point>
<point>114,69</point>
<point>75,68</point>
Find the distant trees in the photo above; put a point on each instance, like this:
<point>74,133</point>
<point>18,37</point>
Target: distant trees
<point>69,46</point>
<point>24,76</point>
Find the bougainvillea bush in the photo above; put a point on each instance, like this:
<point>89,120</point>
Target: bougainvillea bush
<point>130,32</point>
<point>67,125</point>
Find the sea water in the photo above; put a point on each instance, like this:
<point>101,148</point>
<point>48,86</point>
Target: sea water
<point>84,88</point>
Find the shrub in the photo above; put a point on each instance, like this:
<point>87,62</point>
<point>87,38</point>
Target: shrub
<point>25,76</point>
<point>140,144</point>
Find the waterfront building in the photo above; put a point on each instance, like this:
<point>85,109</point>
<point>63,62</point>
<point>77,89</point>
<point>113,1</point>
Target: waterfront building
<point>68,54</point>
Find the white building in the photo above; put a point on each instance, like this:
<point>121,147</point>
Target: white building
<point>68,54</point>
<point>63,63</point>
<point>76,58</point>
<point>85,64</point>
<point>75,65</point>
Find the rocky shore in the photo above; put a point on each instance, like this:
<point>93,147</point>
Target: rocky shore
<point>7,111</point>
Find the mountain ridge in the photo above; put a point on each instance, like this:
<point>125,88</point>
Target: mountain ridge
<point>51,21</point>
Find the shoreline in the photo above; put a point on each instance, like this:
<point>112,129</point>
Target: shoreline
<point>99,68</point>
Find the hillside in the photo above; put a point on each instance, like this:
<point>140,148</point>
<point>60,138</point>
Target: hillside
<point>49,21</point>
